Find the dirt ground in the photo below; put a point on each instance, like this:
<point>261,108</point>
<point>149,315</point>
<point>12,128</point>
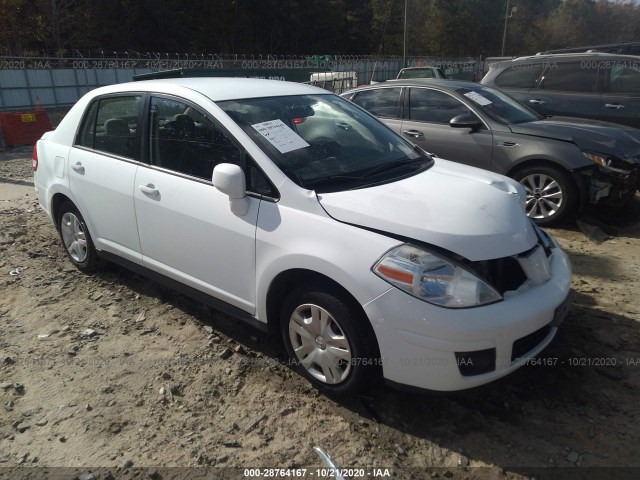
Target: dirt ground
<point>112,372</point>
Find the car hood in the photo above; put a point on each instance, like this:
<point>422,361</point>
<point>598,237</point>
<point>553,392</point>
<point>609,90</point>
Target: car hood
<point>590,135</point>
<point>471,212</point>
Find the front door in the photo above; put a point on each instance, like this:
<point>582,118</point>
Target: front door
<point>426,123</point>
<point>187,230</point>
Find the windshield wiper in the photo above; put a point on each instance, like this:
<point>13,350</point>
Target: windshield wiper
<point>330,178</point>
<point>392,166</point>
<point>370,173</point>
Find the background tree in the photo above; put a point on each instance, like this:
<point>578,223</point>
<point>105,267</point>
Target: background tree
<point>436,27</point>
<point>18,26</point>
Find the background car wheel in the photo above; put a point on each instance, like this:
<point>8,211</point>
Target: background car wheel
<point>551,193</point>
<point>76,238</point>
<point>327,340</point>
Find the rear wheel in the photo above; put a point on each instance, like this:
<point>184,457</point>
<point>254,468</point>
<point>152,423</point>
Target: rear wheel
<point>327,340</point>
<point>76,238</point>
<point>551,193</point>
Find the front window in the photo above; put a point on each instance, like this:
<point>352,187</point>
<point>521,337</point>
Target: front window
<point>498,106</point>
<point>184,140</point>
<point>325,143</point>
<point>427,105</point>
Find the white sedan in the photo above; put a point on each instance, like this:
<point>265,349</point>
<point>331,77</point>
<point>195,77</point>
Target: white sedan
<point>292,209</point>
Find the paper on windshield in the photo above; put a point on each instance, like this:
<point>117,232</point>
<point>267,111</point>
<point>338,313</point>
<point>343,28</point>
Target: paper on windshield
<point>479,99</point>
<point>280,135</point>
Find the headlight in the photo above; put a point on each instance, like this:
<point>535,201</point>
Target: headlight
<point>608,162</point>
<point>434,279</point>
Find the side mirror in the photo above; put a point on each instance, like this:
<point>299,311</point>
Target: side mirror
<point>229,179</point>
<point>466,120</point>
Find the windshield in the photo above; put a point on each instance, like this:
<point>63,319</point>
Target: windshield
<point>324,142</point>
<point>498,106</point>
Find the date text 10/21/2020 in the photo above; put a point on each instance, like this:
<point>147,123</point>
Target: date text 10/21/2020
<point>324,472</point>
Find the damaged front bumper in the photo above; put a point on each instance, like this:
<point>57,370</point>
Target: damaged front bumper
<point>611,187</point>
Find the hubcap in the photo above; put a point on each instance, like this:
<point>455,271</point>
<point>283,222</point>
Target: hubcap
<point>74,237</point>
<point>544,195</point>
<point>320,344</point>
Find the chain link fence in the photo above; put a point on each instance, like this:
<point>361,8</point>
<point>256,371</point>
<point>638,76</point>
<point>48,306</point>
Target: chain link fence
<point>56,83</point>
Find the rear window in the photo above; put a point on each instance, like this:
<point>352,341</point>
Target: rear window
<point>519,76</point>
<point>571,77</point>
<point>381,102</point>
<point>417,73</point>
<point>111,124</point>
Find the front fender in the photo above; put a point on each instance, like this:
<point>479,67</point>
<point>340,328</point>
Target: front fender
<point>288,239</point>
<point>563,154</point>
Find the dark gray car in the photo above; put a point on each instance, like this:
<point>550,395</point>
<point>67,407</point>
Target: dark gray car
<point>602,86</point>
<point>563,163</point>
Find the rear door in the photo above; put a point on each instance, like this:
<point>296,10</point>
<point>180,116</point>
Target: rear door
<point>384,103</point>
<point>102,169</point>
<point>567,89</point>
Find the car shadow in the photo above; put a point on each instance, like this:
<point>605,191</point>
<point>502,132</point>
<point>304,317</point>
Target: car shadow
<point>581,386</point>
<point>528,423</point>
<point>600,223</point>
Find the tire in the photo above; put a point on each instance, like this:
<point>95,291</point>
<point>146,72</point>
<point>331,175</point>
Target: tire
<point>552,195</point>
<point>327,340</point>
<point>76,239</point>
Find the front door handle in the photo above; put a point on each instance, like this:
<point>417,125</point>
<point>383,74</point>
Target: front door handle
<point>413,133</point>
<point>150,190</point>
<point>77,167</point>
<point>615,106</point>
<point>537,101</point>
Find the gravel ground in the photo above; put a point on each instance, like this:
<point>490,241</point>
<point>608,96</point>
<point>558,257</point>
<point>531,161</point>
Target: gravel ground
<point>114,372</point>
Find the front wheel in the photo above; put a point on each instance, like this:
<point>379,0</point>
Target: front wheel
<point>551,193</point>
<point>327,340</point>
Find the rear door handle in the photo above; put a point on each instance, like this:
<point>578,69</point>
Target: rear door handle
<point>77,167</point>
<point>150,190</point>
<point>615,106</point>
<point>537,101</point>
<point>413,133</point>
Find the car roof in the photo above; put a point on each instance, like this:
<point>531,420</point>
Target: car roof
<point>428,82</point>
<point>426,67</point>
<point>217,88</point>
<point>569,56</point>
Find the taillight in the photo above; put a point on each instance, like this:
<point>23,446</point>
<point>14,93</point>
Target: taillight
<point>299,120</point>
<point>34,157</point>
